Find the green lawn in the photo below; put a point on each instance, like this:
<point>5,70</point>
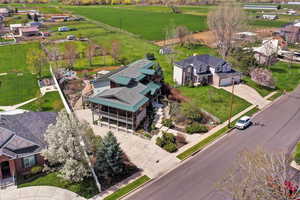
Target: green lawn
<point>128,188</point>
<point>13,57</point>
<point>149,25</point>
<point>16,89</point>
<point>263,91</point>
<point>203,143</point>
<point>215,101</point>
<point>286,78</point>
<point>86,188</point>
<point>275,96</point>
<point>49,102</point>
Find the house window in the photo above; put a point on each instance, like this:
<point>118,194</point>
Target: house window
<point>29,161</point>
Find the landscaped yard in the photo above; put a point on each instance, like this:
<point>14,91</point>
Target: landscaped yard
<point>16,88</point>
<point>49,102</point>
<point>286,78</point>
<point>215,101</point>
<point>149,25</point>
<point>86,188</point>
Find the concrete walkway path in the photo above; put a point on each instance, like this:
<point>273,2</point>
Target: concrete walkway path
<point>39,193</point>
<point>14,107</point>
<point>249,94</point>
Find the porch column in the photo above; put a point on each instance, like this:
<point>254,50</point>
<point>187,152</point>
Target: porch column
<point>12,167</point>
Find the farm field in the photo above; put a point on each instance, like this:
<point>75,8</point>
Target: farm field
<point>148,25</point>
<point>215,101</point>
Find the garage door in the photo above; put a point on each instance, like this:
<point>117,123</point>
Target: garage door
<point>225,81</point>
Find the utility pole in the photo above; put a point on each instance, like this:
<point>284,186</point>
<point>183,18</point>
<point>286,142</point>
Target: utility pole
<point>231,103</point>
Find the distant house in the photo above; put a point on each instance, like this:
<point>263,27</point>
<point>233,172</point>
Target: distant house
<point>165,50</point>
<point>261,7</point>
<point>29,31</point>
<point>15,27</point>
<point>34,24</point>
<point>63,29</point>
<point>291,33</point>
<point>47,85</point>
<point>293,3</point>
<point>4,12</point>
<point>121,99</point>
<point>21,142</point>
<point>60,18</point>
<point>267,53</point>
<point>270,17</point>
<point>204,69</point>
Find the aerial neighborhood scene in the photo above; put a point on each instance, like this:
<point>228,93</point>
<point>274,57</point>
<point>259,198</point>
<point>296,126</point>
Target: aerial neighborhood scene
<point>149,100</point>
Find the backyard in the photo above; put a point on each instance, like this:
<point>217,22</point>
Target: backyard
<point>49,102</point>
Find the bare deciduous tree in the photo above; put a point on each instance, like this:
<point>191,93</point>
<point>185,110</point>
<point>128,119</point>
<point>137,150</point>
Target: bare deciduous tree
<point>70,54</point>
<point>115,50</point>
<point>260,175</point>
<point>90,52</point>
<point>181,33</point>
<point>226,20</point>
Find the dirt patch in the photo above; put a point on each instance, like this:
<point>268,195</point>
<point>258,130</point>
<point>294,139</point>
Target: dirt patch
<point>108,68</point>
<point>206,37</point>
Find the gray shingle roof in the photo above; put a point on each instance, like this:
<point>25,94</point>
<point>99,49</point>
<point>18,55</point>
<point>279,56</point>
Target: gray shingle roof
<point>201,63</point>
<point>23,134</point>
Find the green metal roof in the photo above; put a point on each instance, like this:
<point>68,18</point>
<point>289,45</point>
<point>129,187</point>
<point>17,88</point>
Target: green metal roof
<point>123,80</point>
<point>131,108</point>
<point>147,71</point>
<point>152,88</point>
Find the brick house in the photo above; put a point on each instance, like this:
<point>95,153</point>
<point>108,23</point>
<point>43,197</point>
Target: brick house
<point>21,142</point>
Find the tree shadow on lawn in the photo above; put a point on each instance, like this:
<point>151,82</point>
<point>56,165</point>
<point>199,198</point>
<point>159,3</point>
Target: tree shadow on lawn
<point>278,70</point>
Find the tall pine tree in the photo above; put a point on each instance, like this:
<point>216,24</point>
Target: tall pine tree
<point>110,158</point>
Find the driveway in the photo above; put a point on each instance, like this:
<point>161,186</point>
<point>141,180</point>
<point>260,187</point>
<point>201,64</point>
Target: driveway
<point>249,94</point>
<point>39,193</point>
<point>145,154</point>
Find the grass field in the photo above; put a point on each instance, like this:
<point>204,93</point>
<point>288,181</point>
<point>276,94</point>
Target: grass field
<point>286,78</point>
<point>148,25</point>
<point>49,102</point>
<point>86,188</point>
<point>13,57</point>
<point>263,91</point>
<point>215,101</point>
<point>16,89</point>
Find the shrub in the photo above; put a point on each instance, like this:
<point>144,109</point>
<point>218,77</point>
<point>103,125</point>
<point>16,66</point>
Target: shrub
<point>171,147</point>
<point>196,128</point>
<point>36,169</point>
<point>150,56</point>
<point>168,138</point>
<point>297,158</point>
<point>159,141</point>
<point>167,122</point>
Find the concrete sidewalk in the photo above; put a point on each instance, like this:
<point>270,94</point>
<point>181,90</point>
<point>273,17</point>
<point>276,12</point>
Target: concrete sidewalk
<point>14,107</point>
<point>39,193</point>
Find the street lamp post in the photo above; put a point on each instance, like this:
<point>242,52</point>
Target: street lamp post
<point>231,102</point>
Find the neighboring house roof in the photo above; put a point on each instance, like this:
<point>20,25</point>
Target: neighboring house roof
<point>268,47</point>
<point>202,63</point>
<point>122,98</point>
<point>29,29</point>
<point>23,134</point>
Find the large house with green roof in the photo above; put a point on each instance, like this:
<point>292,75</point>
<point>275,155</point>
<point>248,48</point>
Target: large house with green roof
<point>121,99</point>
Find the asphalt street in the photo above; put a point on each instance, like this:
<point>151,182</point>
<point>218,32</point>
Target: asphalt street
<point>277,129</point>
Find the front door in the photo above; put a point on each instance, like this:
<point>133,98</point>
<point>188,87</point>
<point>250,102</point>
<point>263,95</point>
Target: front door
<point>5,169</point>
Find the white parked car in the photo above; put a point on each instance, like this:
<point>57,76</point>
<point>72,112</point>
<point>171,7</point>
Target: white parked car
<point>243,123</point>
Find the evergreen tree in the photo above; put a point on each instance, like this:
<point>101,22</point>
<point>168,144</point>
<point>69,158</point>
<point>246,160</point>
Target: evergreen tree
<point>110,158</point>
